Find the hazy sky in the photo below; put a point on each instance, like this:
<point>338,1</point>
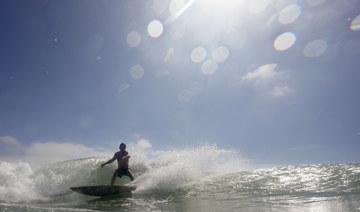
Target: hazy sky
<point>278,81</point>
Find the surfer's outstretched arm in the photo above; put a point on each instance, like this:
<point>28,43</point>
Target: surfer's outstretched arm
<point>109,161</point>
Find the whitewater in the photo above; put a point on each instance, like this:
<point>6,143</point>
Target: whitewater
<point>205,178</point>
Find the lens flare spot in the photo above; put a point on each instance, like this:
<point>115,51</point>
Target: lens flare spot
<point>315,48</point>
<point>198,54</point>
<point>258,6</point>
<point>281,4</point>
<point>137,72</point>
<point>209,67</point>
<point>196,88</point>
<point>220,54</point>
<point>314,3</point>
<point>234,38</point>
<point>170,52</point>
<point>284,41</point>
<point>177,31</point>
<point>160,6</point>
<point>355,24</point>
<point>162,73</point>
<point>289,14</point>
<point>175,7</point>
<point>123,87</point>
<point>155,29</point>
<point>184,96</point>
<point>133,39</point>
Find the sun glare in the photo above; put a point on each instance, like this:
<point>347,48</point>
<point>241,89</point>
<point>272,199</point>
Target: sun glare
<point>225,5</point>
<point>217,8</point>
<point>178,7</point>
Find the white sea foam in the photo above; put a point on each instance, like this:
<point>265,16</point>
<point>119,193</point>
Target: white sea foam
<point>15,182</point>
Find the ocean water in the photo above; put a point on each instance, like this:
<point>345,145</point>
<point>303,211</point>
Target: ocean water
<point>201,179</point>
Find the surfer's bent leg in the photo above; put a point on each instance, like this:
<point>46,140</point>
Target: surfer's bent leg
<point>114,177</point>
<point>130,175</point>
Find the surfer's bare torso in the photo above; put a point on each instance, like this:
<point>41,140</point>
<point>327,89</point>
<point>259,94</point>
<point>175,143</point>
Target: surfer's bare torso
<point>122,158</point>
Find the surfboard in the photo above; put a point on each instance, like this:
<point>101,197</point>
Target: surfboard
<point>103,190</point>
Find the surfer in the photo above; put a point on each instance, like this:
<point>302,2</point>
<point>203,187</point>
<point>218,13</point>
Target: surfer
<point>122,158</point>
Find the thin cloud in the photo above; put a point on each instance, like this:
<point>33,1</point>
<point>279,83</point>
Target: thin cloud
<point>143,144</point>
<point>9,140</point>
<point>281,90</point>
<point>268,78</point>
<point>10,144</point>
<point>39,153</point>
<point>54,152</point>
<point>262,74</point>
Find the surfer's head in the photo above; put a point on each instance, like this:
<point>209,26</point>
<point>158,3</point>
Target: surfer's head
<point>122,146</point>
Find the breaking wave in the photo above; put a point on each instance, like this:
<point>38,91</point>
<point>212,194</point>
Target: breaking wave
<point>204,172</point>
<point>166,171</point>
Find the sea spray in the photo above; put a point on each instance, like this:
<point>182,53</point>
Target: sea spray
<point>15,182</point>
<point>163,171</point>
<point>19,182</point>
<point>179,168</point>
<point>55,179</point>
